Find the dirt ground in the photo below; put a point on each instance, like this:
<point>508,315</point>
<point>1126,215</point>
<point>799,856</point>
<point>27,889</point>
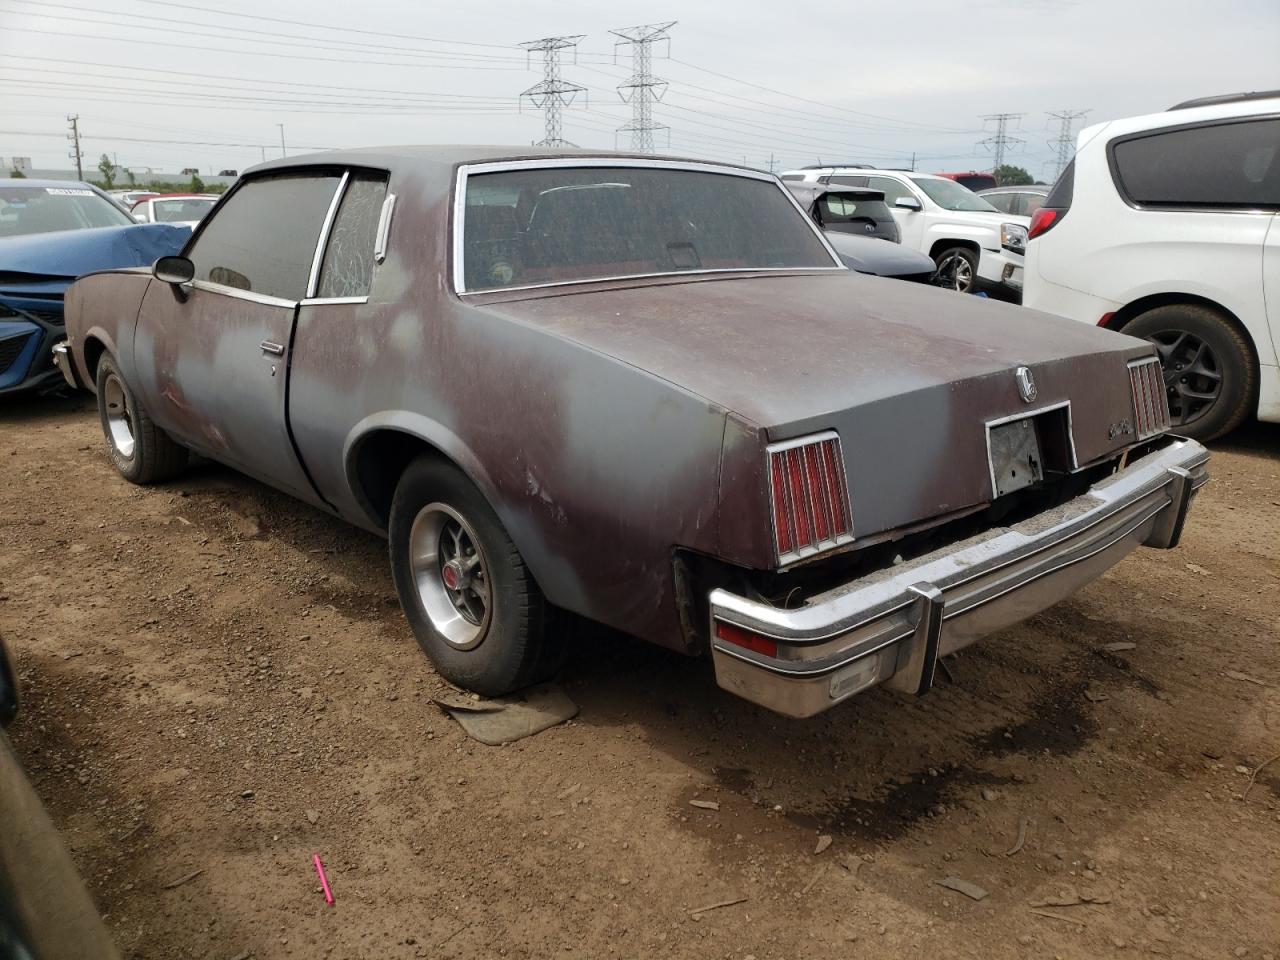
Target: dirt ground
<point>218,679</point>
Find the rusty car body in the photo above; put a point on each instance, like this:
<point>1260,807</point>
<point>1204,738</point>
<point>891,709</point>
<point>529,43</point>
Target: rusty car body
<point>644,391</point>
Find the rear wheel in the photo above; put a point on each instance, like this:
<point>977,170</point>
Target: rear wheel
<point>141,451</point>
<point>465,590</point>
<point>957,268</point>
<point>1210,377</point>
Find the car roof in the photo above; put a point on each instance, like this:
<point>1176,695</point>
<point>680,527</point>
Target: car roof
<point>455,154</point>
<point>1191,112</point>
<point>1227,98</point>
<point>812,189</point>
<point>65,184</point>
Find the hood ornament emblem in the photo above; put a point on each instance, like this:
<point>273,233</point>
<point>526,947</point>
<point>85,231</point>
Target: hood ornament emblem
<point>1026,384</point>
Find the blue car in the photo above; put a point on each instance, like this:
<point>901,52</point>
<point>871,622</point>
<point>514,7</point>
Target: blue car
<point>51,232</point>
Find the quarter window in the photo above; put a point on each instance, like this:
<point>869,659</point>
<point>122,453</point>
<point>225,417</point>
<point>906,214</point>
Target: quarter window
<point>263,239</point>
<point>347,270</point>
<point>1222,165</point>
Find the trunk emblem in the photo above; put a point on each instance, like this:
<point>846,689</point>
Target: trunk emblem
<point>1026,384</point>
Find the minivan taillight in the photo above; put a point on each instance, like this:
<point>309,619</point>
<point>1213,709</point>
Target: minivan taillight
<point>809,496</point>
<point>1042,220</point>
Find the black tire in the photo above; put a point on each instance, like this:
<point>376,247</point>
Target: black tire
<point>950,268</point>
<point>1202,353</point>
<point>152,456</point>
<point>515,644</point>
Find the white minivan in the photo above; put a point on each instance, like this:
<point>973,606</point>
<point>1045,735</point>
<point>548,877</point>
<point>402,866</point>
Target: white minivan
<point>1168,227</point>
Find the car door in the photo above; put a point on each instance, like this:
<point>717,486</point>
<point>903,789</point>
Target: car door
<point>910,222</point>
<point>213,356</point>
<point>1271,294</point>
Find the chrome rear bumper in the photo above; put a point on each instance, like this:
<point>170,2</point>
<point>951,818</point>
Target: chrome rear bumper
<point>890,627</point>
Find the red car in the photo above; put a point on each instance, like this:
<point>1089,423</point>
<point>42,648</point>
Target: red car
<point>973,179</point>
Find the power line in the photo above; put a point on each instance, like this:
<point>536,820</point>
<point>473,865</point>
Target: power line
<point>1064,143</point>
<point>553,92</point>
<point>1000,141</point>
<point>642,88</point>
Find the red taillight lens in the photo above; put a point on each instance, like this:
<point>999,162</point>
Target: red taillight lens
<point>809,495</point>
<point>744,638</point>
<point>1042,220</point>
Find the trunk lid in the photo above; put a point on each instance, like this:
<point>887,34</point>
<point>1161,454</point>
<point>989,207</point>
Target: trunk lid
<point>907,375</point>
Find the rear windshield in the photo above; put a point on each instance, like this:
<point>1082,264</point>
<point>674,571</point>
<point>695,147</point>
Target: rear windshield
<point>554,225</point>
<point>181,211</point>
<point>846,208</point>
<point>30,210</point>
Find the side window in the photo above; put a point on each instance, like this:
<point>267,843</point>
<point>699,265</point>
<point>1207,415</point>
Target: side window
<point>845,180</point>
<point>347,270</point>
<point>264,238</point>
<point>1223,165</point>
<point>1031,202</point>
<point>893,189</point>
<point>1004,202</point>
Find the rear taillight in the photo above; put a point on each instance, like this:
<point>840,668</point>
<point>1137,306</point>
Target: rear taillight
<point>1150,405</point>
<point>810,496</point>
<point>1042,220</point>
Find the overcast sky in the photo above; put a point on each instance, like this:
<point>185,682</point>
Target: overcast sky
<point>749,80</point>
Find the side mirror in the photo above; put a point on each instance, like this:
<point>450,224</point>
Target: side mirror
<point>8,687</point>
<point>174,270</point>
<point>907,203</point>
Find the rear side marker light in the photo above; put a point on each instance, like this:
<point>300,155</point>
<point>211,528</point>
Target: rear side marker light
<point>809,496</point>
<point>741,637</point>
<point>1150,404</point>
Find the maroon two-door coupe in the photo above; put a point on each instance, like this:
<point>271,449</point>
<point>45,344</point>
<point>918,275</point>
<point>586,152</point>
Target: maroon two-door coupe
<point>643,391</point>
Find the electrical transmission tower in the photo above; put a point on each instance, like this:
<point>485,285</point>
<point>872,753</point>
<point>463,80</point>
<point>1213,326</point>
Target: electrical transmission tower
<point>1064,143</point>
<point>642,88</point>
<point>554,93</point>
<point>1000,141</point>
<point>73,124</point>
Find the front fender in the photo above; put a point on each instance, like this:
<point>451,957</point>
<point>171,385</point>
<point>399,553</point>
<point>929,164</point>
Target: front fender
<point>987,238</point>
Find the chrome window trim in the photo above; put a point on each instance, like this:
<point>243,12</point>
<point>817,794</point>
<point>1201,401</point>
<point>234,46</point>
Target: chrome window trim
<point>1024,415</point>
<point>384,227</point>
<point>313,280</point>
<point>210,287</point>
<point>320,301</point>
<point>501,166</point>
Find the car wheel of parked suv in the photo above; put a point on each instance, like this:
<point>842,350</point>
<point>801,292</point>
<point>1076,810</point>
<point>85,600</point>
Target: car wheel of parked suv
<point>957,268</point>
<point>1209,372</point>
<point>470,599</point>
<point>141,451</point>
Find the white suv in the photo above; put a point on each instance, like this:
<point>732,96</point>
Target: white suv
<point>1168,227</point>
<point>973,244</point>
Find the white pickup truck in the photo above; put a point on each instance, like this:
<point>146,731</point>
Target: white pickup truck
<point>974,245</point>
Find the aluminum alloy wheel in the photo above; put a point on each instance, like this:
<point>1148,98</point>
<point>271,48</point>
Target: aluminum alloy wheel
<point>1192,374</point>
<point>119,417</point>
<point>957,271</point>
<point>451,575</point>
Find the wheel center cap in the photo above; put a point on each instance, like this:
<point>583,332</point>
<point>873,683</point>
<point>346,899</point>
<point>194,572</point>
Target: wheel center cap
<point>454,577</point>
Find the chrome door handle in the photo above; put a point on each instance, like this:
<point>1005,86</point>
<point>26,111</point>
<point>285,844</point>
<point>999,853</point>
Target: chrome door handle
<point>273,348</point>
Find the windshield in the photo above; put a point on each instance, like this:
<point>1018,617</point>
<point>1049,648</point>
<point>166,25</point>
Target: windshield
<point>950,195</point>
<point>30,210</point>
<point>554,225</point>
<point>181,211</point>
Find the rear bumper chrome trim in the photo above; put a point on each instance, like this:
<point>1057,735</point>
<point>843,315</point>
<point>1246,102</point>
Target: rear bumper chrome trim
<point>891,626</point>
<point>62,360</point>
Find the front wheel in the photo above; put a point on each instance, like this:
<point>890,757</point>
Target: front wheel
<point>957,269</point>
<point>1209,373</point>
<point>141,451</point>
<point>464,588</point>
